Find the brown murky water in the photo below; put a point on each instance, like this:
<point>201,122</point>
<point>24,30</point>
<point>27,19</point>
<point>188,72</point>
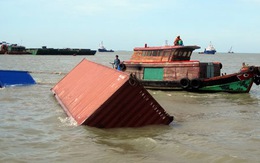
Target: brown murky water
<point>217,127</point>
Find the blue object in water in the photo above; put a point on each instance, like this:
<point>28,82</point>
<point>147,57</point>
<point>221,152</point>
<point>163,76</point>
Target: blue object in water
<point>13,78</point>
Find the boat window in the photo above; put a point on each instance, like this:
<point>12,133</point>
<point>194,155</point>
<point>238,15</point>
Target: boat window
<point>176,52</point>
<point>154,53</point>
<point>146,53</point>
<point>159,53</point>
<point>189,54</point>
<point>162,53</point>
<point>167,53</point>
<point>185,53</point>
<point>180,53</point>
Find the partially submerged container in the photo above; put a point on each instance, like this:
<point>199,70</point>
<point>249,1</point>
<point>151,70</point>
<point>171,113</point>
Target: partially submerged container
<point>99,96</point>
<point>15,78</point>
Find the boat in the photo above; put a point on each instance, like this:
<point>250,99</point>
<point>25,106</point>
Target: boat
<point>103,49</point>
<point>170,68</point>
<point>230,50</point>
<point>209,50</point>
<point>64,51</point>
<point>6,48</point>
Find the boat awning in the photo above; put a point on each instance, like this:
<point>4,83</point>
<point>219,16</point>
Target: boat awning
<point>192,47</point>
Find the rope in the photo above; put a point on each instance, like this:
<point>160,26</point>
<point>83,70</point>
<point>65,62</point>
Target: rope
<point>46,83</point>
<point>42,72</point>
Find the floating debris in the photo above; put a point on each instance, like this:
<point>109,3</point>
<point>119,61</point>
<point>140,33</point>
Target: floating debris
<point>15,78</point>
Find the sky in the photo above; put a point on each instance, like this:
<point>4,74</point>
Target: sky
<point>125,24</point>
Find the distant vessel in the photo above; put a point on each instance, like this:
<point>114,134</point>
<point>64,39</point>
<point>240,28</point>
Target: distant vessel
<point>103,49</point>
<point>65,51</point>
<point>210,49</point>
<point>6,48</point>
<point>230,50</point>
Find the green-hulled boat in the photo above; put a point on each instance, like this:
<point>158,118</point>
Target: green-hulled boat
<point>170,68</point>
<point>234,83</point>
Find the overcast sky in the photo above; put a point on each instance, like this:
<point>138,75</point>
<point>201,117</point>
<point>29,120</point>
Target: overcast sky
<point>125,24</point>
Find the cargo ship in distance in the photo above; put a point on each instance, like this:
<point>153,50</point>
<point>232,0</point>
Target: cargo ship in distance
<point>209,50</point>
<point>15,49</point>
<point>64,51</point>
<point>103,49</point>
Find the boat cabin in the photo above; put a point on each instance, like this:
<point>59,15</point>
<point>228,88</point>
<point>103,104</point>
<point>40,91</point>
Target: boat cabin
<point>164,67</point>
<point>162,53</point>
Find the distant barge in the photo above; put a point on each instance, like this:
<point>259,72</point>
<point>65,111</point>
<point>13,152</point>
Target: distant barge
<point>65,51</point>
<point>7,48</point>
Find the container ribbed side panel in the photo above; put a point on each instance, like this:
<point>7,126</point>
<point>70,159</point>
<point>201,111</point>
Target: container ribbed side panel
<point>98,96</point>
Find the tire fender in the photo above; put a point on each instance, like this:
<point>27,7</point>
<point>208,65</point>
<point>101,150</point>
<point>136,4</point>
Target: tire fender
<point>185,83</point>
<point>195,83</point>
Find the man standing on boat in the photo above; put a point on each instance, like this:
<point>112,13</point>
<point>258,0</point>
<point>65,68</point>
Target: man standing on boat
<point>116,62</point>
<point>178,41</point>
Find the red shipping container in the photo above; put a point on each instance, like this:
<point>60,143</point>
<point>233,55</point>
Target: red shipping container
<point>99,96</point>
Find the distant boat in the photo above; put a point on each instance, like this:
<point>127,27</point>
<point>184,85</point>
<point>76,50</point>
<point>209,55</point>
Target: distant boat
<point>64,51</point>
<point>103,49</point>
<point>230,50</point>
<point>210,49</point>
<point>6,48</point>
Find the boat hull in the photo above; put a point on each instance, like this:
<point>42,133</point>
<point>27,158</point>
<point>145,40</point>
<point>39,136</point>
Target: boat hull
<point>105,50</point>
<point>243,86</point>
<point>192,76</point>
<point>209,51</point>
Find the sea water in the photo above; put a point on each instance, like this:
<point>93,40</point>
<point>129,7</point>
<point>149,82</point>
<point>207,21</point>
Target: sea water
<point>208,127</point>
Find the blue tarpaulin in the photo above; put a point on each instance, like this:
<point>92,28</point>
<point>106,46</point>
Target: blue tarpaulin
<point>13,78</point>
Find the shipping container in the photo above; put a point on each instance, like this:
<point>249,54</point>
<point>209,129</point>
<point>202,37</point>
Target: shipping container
<point>99,96</point>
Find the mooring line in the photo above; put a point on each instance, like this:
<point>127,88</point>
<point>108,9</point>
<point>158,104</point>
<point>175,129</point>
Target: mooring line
<point>43,72</point>
<point>46,83</point>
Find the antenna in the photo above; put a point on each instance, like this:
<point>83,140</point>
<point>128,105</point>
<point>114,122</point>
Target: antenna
<point>166,42</point>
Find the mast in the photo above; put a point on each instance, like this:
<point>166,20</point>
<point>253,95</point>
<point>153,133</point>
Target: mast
<point>230,50</point>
